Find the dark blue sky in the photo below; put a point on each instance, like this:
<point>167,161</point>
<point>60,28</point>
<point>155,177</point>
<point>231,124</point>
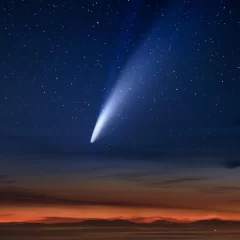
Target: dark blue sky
<point>59,62</point>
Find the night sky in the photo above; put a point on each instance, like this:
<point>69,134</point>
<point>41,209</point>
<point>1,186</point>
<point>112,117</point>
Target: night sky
<point>172,149</point>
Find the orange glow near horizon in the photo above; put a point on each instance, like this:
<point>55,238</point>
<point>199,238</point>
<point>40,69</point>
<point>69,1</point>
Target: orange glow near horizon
<point>52,214</point>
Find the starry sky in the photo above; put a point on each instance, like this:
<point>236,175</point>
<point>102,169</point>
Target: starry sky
<point>178,137</point>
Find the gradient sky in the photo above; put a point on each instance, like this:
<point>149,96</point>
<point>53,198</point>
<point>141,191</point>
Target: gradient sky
<point>173,152</point>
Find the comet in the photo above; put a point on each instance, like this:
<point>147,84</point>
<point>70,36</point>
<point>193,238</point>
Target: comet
<point>132,82</point>
<point>135,78</point>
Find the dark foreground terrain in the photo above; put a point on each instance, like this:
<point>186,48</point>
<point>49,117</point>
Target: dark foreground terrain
<point>119,230</point>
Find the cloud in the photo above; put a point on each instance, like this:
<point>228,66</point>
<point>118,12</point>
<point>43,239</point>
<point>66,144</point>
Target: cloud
<point>24,197</point>
<point>231,164</point>
<point>220,189</point>
<point>59,220</point>
<point>130,175</point>
<point>158,183</point>
<point>181,180</point>
<point>4,179</point>
<point>6,215</point>
<point>148,177</point>
<point>39,149</point>
<point>20,196</point>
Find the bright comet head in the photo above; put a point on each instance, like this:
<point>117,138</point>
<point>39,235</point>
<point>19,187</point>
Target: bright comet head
<point>98,127</point>
<point>101,122</point>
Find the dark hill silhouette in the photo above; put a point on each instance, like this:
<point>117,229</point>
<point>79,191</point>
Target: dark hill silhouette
<point>214,223</point>
<point>107,223</point>
<point>211,223</point>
